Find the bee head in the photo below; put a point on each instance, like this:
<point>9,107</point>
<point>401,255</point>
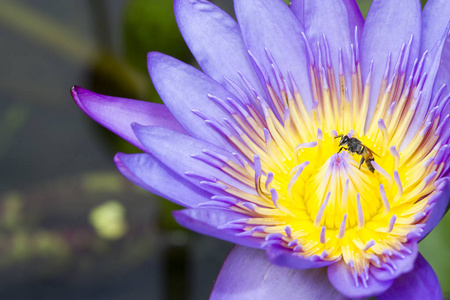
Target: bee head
<point>343,141</point>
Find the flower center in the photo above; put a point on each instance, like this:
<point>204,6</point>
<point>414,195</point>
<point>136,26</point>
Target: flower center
<point>337,189</point>
<point>327,181</point>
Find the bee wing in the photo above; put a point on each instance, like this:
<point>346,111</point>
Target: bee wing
<point>371,151</point>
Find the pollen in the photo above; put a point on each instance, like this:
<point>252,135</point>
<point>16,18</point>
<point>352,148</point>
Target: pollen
<point>305,195</point>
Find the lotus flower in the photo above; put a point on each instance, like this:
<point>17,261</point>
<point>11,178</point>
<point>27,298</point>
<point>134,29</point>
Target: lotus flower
<point>315,140</point>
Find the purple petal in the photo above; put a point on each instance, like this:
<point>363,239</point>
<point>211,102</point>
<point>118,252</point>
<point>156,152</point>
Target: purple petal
<point>176,151</point>
<point>298,8</point>
<point>215,40</point>
<point>440,203</point>
<point>435,17</point>
<point>438,73</point>
<point>402,265</point>
<point>209,221</point>
<point>248,274</point>
<point>421,283</point>
<point>271,25</point>
<point>150,174</point>
<point>330,18</point>
<point>183,88</point>
<point>443,75</point>
<point>389,25</point>
<point>117,114</point>
<point>341,278</point>
<point>287,258</point>
<point>355,17</point>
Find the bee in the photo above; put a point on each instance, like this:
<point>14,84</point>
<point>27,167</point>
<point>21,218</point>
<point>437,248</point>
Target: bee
<point>356,146</point>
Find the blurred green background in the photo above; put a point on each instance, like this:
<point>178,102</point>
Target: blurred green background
<point>70,226</point>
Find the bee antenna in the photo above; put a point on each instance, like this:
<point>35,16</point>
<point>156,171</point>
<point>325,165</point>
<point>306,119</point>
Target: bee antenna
<point>339,136</point>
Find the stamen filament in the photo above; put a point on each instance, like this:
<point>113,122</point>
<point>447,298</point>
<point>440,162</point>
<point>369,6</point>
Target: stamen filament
<point>382,172</point>
<point>322,235</point>
<point>342,227</point>
<point>359,212</point>
<point>319,215</point>
<point>369,245</point>
<point>392,223</point>
<point>384,198</point>
<point>399,186</point>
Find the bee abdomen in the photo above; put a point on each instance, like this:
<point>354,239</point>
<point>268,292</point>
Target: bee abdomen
<point>369,165</point>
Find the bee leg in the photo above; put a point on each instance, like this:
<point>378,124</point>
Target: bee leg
<point>342,148</point>
<point>361,162</point>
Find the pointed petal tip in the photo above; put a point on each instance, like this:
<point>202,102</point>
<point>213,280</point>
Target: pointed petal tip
<point>153,58</point>
<point>88,101</point>
<point>139,128</point>
<point>76,91</point>
<point>118,158</point>
<point>140,131</point>
<point>73,90</point>
<point>136,125</point>
<point>153,54</point>
<point>123,168</point>
<point>177,214</point>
